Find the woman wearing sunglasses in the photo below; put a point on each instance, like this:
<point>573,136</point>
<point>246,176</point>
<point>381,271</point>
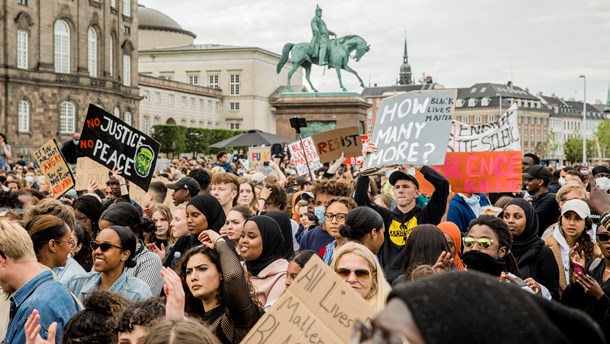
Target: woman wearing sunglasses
<point>113,250</point>
<point>589,289</point>
<point>336,212</point>
<point>359,268</point>
<point>52,240</point>
<point>535,260</point>
<point>573,228</point>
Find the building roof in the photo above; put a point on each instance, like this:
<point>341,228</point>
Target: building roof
<point>592,111</point>
<point>489,90</point>
<point>150,19</point>
<point>380,91</point>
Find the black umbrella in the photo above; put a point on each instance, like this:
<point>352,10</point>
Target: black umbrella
<point>252,137</point>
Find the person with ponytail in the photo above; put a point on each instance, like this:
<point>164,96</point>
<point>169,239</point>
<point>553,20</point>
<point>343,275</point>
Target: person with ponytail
<point>113,251</point>
<point>364,226</point>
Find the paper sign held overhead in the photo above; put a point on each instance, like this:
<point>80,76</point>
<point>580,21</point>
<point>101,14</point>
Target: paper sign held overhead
<point>413,129</point>
<point>298,156</point>
<point>54,167</point>
<point>89,170</point>
<point>113,143</point>
<point>330,144</point>
<point>317,308</point>
<point>257,156</point>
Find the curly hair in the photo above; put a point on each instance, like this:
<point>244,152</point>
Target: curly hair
<point>505,238</point>
<point>277,196</point>
<point>331,187</point>
<point>142,313</point>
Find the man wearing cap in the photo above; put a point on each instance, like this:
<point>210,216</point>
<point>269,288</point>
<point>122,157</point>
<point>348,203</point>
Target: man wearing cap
<point>184,189</point>
<point>536,183</point>
<point>400,221</point>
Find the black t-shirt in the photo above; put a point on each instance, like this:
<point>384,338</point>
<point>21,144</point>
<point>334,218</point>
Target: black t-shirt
<point>547,210</point>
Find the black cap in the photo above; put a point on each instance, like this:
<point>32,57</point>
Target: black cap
<point>399,175</point>
<point>186,183</point>
<point>538,172</point>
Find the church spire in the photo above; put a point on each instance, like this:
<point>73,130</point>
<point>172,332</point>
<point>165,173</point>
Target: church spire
<point>405,68</point>
<point>607,107</point>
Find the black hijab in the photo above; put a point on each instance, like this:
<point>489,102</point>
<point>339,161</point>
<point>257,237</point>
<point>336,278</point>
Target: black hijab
<point>286,226</point>
<point>528,240</point>
<point>273,244</point>
<point>211,209</point>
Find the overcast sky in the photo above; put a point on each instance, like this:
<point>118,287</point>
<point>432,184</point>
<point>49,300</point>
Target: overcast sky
<point>543,45</point>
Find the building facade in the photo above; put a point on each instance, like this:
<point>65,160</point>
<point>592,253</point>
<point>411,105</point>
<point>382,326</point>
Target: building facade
<point>61,55</point>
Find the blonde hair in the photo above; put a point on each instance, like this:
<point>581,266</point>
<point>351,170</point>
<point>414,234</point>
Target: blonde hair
<point>381,288</point>
<point>15,242</point>
<point>566,189</point>
<point>167,215</point>
<point>51,206</point>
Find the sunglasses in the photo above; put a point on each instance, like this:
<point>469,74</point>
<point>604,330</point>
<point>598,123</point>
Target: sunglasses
<point>603,237</point>
<point>360,273</point>
<point>105,246</point>
<point>331,216</point>
<point>482,242</point>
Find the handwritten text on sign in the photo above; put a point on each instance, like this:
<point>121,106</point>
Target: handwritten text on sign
<point>413,128</point>
<point>53,165</point>
<point>317,308</point>
<point>258,156</point>
<point>330,144</point>
<point>298,156</point>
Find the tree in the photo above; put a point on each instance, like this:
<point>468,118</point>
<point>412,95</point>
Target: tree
<point>171,137</point>
<point>602,132</point>
<point>549,146</point>
<point>573,149</point>
<point>176,139</point>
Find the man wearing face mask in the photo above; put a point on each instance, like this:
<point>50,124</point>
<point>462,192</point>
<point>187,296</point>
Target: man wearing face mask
<point>464,207</point>
<point>70,151</point>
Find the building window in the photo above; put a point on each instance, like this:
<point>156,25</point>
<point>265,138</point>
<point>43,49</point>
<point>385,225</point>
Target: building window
<point>62,47</point>
<point>22,2</point>
<point>234,106</point>
<point>200,124</point>
<point>234,84</point>
<point>217,106</point>
<point>460,103</point>
<point>126,30</point>
<point>157,97</point>
<point>183,122</point>
<point>146,95</point>
<point>193,103</point>
<point>92,52</point>
<point>146,125</point>
<point>156,121</point>
<point>184,101</point>
<point>472,102</point>
<point>484,101</point>
<point>213,81</point>
<point>369,114</point>
<point>192,123</point>
<point>477,119</point>
<point>127,118</point>
<point>370,126</point>
<point>22,49</point>
<point>170,99</point>
<point>465,119</point>
<point>210,105</point>
<point>490,118</point>
<point>127,8</point>
<point>23,116</point>
<point>117,112</point>
<point>201,104</point>
<point>126,70</point>
<point>193,79</point>
<point>67,117</point>
<point>111,52</point>
<point>113,3</point>
<point>234,126</point>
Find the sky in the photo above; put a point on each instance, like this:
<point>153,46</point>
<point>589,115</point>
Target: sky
<point>541,45</point>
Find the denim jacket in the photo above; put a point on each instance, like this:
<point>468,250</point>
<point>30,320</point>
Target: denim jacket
<point>49,297</point>
<point>131,288</point>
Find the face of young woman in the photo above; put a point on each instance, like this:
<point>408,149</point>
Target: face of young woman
<point>336,210</point>
<point>572,225</point>
<point>303,217</point>
<point>246,194</point>
<point>178,225</point>
<point>603,241</point>
<point>202,277</point>
<point>63,247</point>
<point>450,243</point>
<point>484,232</point>
<point>196,221</point>
<point>250,242</point>
<point>161,224</point>
<point>114,258</point>
<point>234,225</point>
<point>355,271</point>
<point>514,217</point>
<point>291,273</point>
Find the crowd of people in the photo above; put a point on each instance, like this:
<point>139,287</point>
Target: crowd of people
<point>213,245</point>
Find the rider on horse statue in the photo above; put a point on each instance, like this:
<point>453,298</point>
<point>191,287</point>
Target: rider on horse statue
<point>320,40</point>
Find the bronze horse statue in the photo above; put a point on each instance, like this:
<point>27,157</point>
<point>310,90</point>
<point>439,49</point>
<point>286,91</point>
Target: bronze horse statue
<point>340,49</point>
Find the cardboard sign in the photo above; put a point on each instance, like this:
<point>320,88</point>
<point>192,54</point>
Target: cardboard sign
<point>317,308</point>
<point>502,135</point>
<point>413,129</point>
<point>137,194</point>
<point>359,160</point>
<point>330,144</point>
<point>298,156</point>
<point>55,168</point>
<point>257,156</point>
<point>113,143</point>
<point>89,170</point>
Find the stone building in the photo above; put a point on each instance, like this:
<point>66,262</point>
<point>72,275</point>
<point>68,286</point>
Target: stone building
<point>59,56</point>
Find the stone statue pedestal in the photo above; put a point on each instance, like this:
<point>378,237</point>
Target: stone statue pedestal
<point>343,108</point>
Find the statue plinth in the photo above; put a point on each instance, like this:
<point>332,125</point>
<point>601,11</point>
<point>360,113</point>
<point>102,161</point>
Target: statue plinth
<point>343,108</point>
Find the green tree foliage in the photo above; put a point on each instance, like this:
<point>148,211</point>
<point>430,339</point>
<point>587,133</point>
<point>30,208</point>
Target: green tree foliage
<point>549,147</point>
<point>177,139</point>
<point>603,135</point>
<point>573,149</point>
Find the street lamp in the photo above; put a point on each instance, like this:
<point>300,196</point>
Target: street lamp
<point>584,118</point>
<point>500,102</point>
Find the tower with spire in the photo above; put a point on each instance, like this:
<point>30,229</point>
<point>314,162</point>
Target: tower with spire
<point>607,107</point>
<point>405,68</point>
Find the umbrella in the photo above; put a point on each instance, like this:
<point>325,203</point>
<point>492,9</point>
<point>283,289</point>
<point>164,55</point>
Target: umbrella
<point>252,137</point>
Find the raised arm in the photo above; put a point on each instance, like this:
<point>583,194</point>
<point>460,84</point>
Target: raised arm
<point>434,211</point>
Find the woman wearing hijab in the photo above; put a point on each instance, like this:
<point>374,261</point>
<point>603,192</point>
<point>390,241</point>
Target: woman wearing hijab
<point>454,241</point>
<point>261,245</point>
<point>286,226</point>
<point>203,212</point>
<point>535,260</point>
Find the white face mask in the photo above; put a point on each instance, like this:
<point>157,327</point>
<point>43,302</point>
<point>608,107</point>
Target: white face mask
<point>603,183</point>
<point>29,179</point>
<point>562,181</point>
<point>473,200</point>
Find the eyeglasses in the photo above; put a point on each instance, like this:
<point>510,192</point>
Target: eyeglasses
<point>105,246</point>
<point>331,216</point>
<point>377,335</point>
<point>70,242</point>
<point>482,242</point>
<point>603,237</point>
<point>361,274</point>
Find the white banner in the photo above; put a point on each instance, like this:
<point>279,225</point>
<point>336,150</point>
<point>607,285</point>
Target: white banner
<point>298,156</point>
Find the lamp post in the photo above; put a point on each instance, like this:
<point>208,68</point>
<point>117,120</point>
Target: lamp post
<point>584,118</point>
<point>500,102</point>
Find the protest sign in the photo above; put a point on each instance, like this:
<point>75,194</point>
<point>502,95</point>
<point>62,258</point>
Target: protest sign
<point>54,167</point>
<point>330,144</point>
<point>359,160</point>
<point>413,129</point>
<point>317,308</point>
<point>257,156</point>
<point>298,156</point>
<point>113,143</point>
<point>138,195</point>
<point>89,170</point>
<point>502,135</point>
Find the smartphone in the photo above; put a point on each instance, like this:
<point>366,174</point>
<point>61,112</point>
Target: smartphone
<point>578,269</point>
